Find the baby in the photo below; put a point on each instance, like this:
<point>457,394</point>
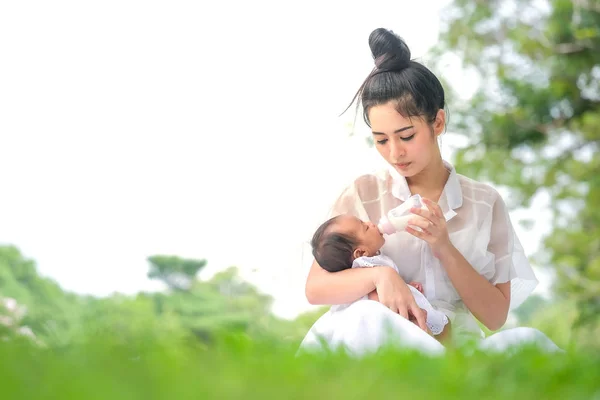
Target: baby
<point>346,242</point>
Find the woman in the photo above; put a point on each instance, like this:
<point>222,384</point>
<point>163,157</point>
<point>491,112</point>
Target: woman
<point>465,254</point>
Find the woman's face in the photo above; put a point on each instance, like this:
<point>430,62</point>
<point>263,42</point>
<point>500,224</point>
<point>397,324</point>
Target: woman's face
<point>408,145</point>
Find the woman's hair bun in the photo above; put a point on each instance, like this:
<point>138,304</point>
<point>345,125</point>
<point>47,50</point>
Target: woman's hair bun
<point>389,51</point>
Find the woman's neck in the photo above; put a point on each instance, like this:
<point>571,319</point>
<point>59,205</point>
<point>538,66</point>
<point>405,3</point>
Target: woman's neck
<point>431,181</point>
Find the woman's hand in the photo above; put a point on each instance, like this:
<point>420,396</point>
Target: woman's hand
<point>433,225</point>
<point>414,321</point>
<point>394,293</point>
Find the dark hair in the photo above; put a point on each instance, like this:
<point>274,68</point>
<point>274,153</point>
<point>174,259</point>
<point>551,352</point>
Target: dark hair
<point>412,86</point>
<point>333,251</point>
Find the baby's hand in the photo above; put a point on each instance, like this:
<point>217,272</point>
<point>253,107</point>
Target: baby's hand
<point>373,295</point>
<point>417,286</point>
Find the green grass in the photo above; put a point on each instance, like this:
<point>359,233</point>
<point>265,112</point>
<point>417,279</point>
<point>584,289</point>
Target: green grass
<point>238,368</point>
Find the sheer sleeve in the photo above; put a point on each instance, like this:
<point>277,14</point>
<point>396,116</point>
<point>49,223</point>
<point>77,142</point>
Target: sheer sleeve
<point>508,262</point>
<point>349,202</point>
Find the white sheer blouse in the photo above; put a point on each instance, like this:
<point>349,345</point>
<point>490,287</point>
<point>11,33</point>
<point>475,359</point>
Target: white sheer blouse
<point>479,226</point>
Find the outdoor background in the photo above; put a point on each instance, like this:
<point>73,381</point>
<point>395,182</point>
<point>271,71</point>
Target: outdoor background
<point>163,164</point>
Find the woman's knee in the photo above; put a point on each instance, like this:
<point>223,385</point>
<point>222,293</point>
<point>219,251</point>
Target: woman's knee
<point>517,337</point>
<point>368,308</point>
<point>529,334</point>
<point>369,325</point>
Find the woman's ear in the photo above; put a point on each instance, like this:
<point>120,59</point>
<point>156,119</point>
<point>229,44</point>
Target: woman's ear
<point>440,122</point>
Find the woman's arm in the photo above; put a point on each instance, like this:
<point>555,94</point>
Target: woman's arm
<point>488,303</point>
<point>324,287</point>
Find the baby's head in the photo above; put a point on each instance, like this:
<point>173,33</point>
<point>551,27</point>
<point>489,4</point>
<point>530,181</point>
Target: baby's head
<point>342,239</point>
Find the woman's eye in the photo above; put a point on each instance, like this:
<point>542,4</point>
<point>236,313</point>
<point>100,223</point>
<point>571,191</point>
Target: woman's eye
<point>406,139</point>
<point>382,141</point>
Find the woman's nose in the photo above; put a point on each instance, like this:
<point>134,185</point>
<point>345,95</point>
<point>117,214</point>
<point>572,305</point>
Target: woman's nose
<point>397,151</point>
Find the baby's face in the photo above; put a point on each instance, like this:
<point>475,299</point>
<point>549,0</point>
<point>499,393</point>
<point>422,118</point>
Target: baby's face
<point>366,233</point>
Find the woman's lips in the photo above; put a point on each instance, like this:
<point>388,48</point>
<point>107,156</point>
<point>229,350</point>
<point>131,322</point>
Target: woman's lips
<point>402,165</point>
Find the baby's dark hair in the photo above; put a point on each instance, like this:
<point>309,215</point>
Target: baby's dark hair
<point>332,250</point>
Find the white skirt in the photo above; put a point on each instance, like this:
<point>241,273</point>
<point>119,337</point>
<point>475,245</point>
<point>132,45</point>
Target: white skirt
<point>366,326</point>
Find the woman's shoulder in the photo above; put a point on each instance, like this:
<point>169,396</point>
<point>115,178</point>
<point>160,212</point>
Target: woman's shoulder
<point>478,191</point>
<point>364,189</point>
<point>371,185</point>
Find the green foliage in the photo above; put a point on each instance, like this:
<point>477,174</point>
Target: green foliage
<point>123,319</point>
<point>534,122</point>
<point>533,305</point>
<point>51,313</point>
<point>236,367</point>
<point>175,272</point>
<point>556,318</point>
<point>11,320</point>
<point>190,309</point>
<point>218,339</point>
<point>225,303</point>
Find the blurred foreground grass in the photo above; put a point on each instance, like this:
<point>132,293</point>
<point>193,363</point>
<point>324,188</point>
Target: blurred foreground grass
<point>236,367</point>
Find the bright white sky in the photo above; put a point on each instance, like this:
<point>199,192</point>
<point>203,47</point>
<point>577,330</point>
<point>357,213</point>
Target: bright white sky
<point>134,128</point>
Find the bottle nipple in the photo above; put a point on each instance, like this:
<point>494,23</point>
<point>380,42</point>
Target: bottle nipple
<point>385,226</point>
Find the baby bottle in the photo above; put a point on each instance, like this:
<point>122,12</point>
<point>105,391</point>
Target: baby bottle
<point>397,218</point>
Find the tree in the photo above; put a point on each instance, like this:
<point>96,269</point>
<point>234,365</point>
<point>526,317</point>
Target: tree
<point>225,303</point>
<point>129,321</point>
<point>177,273</point>
<point>533,123</point>
<point>52,314</point>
